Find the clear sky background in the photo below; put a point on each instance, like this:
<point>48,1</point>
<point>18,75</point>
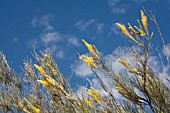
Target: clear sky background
<point>61,24</point>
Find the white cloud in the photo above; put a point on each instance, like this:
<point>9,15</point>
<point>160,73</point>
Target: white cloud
<point>34,21</point>
<point>114,30</point>
<point>44,21</point>
<point>166,51</point>
<point>113,2</point>
<point>141,1</point>
<point>83,25</point>
<point>119,10</point>
<point>60,54</point>
<point>73,40</point>
<point>51,37</point>
<point>80,93</point>
<point>116,7</point>
<point>81,69</point>
<point>33,43</point>
<point>117,67</point>
<point>120,53</point>
<point>100,27</point>
<point>96,85</point>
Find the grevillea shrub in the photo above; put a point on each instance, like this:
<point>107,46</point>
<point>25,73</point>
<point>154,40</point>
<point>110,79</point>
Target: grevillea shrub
<point>43,89</point>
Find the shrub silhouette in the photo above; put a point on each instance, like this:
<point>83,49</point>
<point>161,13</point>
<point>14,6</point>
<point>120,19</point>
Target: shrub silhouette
<point>43,89</point>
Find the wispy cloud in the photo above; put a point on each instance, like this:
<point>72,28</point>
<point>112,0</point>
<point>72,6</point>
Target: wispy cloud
<point>43,21</point>
<point>166,51</point>
<point>100,27</point>
<point>141,1</point>
<point>83,25</point>
<point>33,43</point>
<point>114,29</point>
<point>79,68</point>
<point>95,83</point>
<point>113,2</point>
<point>51,37</point>
<point>80,92</point>
<point>60,54</point>
<point>73,40</point>
<point>116,7</point>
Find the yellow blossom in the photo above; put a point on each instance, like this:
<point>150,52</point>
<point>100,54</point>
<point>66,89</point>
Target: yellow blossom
<point>144,21</point>
<point>52,101</point>
<point>132,31</point>
<point>124,30</point>
<point>134,70</point>
<point>89,103</point>
<point>35,110</point>
<point>88,60</point>
<point>40,69</point>
<point>90,47</point>
<point>25,110</point>
<point>96,92</point>
<point>105,111</point>
<point>119,89</point>
<point>20,105</point>
<point>140,29</point>
<point>140,32</point>
<point>45,83</point>
<point>51,81</point>
<point>95,95</point>
<point>124,63</point>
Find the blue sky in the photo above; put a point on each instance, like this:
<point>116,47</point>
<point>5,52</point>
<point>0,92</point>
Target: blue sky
<point>61,24</point>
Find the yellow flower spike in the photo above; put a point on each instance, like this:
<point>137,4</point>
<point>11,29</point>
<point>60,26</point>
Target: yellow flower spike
<point>133,31</point>
<point>95,95</point>
<point>144,21</point>
<point>90,47</point>
<point>25,111</point>
<point>140,32</point>
<point>90,92</point>
<point>52,101</point>
<point>51,81</point>
<point>97,52</point>
<point>119,89</point>
<point>44,83</point>
<point>35,110</point>
<point>124,63</point>
<point>89,103</point>
<point>20,105</point>
<point>134,70</point>
<point>124,30</point>
<point>88,60</point>
<point>105,111</point>
<point>40,69</point>
<point>140,29</point>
